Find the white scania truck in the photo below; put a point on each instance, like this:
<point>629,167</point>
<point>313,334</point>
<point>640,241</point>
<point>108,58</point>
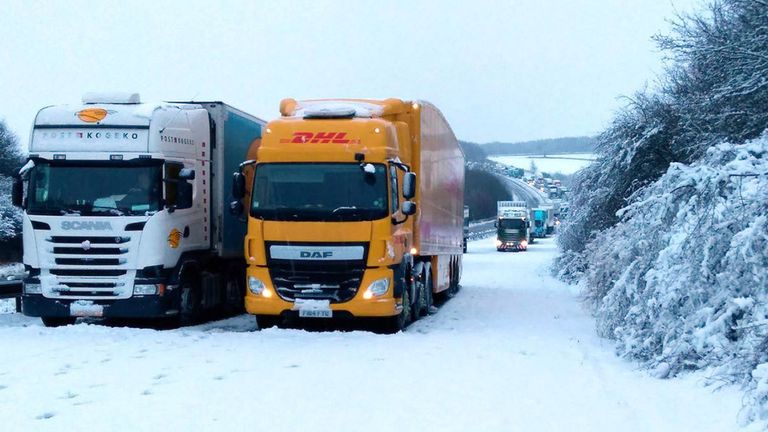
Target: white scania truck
<point>126,209</point>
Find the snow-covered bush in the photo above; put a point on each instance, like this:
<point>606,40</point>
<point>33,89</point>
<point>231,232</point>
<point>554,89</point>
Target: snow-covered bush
<point>10,216</point>
<point>668,229</point>
<point>681,282</point>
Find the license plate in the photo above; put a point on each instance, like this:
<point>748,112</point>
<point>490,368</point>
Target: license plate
<point>313,308</point>
<point>84,308</point>
<point>311,313</point>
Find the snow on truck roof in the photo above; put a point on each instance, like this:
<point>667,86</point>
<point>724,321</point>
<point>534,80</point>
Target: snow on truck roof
<point>107,109</point>
<point>111,98</point>
<point>329,108</point>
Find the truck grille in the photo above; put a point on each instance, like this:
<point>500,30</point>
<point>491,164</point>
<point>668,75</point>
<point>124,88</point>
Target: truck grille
<point>90,267</point>
<point>337,285</point>
<point>333,280</point>
<point>511,237</point>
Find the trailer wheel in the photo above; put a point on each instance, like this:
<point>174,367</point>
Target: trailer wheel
<point>267,321</point>
<point>58,321</point>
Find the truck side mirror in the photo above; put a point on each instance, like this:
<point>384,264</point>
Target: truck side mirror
<point>186,174</point>
<point>409,208</point>
<point>236,208</point>
<point>409,185</point>
<point>17,198</point>
<point>184,197</point>
<point>238,185</point>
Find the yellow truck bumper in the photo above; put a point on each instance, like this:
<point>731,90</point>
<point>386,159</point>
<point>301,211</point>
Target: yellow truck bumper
<point>272,304</point>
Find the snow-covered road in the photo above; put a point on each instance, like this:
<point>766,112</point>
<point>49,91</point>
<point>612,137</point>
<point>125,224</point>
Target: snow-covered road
<point>514,351</point>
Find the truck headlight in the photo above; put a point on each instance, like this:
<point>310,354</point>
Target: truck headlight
<point>499,243</point>
<point>145,289</point>
<point>33,288</point>
<point>256,285</point>
<point>378,288</point>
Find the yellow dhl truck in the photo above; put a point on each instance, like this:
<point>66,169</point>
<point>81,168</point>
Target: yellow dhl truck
<point>355,209</point>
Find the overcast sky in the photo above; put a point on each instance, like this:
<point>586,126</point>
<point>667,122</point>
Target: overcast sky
<point>499,71</point>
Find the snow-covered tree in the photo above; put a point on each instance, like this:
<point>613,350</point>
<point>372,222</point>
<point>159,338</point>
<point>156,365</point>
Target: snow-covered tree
<point>10,161</point>
<point>668,229</point>
<point>10,153</point>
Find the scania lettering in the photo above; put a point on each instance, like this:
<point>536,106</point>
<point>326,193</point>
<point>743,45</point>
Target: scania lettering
<point>86,225</point>
<point>124,210</point>
<point>356,210</point>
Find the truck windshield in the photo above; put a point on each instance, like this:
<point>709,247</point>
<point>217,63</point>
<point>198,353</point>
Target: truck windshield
<point>319,192</point>
<point>511,224</point>
<point>95,188</point>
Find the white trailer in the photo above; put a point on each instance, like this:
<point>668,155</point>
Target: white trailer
<point>503,207</point>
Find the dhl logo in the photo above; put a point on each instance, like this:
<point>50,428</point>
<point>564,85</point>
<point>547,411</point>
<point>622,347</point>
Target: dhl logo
<point>319,138</point>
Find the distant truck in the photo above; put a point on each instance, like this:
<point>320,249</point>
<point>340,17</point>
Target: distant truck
<point>357,211</point>
<point>539,218</point>
<point>124,214</point>
<point>503,206</point>
<point>512,226</point>
<point>551,220</point>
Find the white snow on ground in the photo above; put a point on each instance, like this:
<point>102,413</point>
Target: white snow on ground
<point>564,163</point>
<point>514,351</point>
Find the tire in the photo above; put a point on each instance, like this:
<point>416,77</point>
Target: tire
<point>189,303</point>
<point>58,321</point>
<point>400,321</point>
<point>427,301</point>
<point>454,289</point>
<point>417,303</point>
<point>268,321</point>
<point>235,291</point>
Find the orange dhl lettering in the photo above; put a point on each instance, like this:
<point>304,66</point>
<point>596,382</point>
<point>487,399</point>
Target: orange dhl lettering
<point>319,138</point>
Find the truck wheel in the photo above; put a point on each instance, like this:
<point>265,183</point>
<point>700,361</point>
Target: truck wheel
<point>418,302</point>
<point>427,300</point>
<point>58,321</point>
<point>267,321</point>
<point>235,290</point>
<point>189,303</point>
<point>400,321</point>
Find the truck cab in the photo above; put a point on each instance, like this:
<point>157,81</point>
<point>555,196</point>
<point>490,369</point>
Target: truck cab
<point>539,218</point>
<point>122,211</point>
<point>512,231</point>
<point>339,226</point>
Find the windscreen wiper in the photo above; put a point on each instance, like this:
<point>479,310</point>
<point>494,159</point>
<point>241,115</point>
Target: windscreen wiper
<point>343,208</point>
<point>69,212</point>
<point>113,210</point>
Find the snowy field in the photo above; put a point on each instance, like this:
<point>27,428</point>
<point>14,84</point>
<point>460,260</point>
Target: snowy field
<point>565,164</point>
<point>514,351</point>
